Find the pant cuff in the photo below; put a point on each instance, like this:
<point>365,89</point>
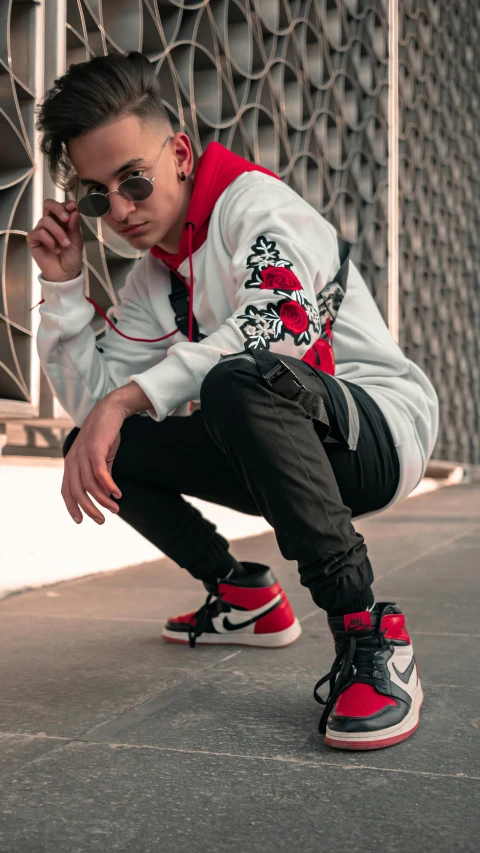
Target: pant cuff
<point>364,601</point>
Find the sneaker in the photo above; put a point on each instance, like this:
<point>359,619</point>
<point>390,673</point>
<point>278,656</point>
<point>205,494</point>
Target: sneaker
<point>375,694</point>
<point>251,610</point>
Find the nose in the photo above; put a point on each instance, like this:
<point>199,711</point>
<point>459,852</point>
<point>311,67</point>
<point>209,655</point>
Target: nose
<point>120,207</point>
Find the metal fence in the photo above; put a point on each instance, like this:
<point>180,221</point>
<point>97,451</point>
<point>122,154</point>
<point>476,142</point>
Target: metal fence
<point>303,89</point>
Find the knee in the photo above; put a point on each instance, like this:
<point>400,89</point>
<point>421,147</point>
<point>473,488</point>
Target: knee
<point>69,440</point>
<point>226,386</point>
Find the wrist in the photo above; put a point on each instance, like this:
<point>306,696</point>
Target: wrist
<point>130,399</point>
<point>62,279</point>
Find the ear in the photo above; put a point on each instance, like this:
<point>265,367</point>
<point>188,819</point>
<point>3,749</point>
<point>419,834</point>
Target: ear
<point>182,151</point>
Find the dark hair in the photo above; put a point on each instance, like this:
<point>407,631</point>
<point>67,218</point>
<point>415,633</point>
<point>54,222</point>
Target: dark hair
<point>91,94</point>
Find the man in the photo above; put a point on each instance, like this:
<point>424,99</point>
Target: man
<point>217,379</point>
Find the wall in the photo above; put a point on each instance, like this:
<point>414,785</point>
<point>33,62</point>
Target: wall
<point>302,88</point>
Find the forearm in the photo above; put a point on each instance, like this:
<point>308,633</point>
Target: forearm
<point>84,371</point>
<point>131,399</point>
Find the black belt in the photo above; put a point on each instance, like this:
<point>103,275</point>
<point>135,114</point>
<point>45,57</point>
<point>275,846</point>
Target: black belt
<point>180,301</point>
<point>284,381</point>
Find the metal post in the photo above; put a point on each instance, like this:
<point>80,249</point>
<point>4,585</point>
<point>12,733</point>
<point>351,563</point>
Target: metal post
<point>393,186</point>
<point>54,61</point>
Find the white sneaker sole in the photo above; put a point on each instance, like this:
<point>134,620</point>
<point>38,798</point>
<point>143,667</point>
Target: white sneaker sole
<point>263,641</point>
<point>383,738</point>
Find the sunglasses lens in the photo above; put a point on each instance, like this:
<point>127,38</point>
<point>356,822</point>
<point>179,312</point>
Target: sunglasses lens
<point>136,189</point>
<point>98,204</point>
<point>93,204</point>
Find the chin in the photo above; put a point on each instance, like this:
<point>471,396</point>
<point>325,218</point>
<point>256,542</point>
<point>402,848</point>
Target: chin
<point>143,241</point>
<point>151,240</point>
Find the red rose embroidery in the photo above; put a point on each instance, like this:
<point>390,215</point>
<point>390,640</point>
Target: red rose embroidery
<point>279,278</point>
<point>294,317</point>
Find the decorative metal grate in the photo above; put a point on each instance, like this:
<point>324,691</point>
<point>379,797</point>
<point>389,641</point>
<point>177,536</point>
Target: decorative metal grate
<point>439,210</point>
<point>300,87</point>
<point>17,102</point>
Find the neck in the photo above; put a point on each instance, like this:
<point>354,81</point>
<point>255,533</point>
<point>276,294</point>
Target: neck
<point>171,241</point>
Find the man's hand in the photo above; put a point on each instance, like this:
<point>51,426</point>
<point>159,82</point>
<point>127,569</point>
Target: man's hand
<point>56,242</point>
<point>88,464</point>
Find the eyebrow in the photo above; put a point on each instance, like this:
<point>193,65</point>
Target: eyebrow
<point>119,171</point>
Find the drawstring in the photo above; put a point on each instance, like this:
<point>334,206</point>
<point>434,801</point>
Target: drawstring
<point>144,340</point>
<point>189,226</point>
<point>97,308</point>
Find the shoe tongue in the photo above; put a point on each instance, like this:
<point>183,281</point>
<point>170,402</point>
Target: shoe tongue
<point>361,621</point>
<point>254,568</point>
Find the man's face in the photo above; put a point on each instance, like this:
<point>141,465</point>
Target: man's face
<point>97,157</point>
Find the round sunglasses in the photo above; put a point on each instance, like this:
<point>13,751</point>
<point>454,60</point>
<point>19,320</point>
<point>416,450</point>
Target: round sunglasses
<point>97,204</point>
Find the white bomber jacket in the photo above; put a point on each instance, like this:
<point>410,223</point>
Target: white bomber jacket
<point>261,256</point>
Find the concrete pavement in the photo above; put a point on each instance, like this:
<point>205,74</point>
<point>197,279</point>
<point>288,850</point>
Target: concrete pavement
<point>112,740</point>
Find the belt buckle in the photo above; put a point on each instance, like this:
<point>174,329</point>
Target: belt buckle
<point>283,380</point>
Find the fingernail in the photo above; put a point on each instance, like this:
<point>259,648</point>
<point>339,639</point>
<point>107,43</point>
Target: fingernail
<point>65,217</point>
<point>77,520</point>
<point>66,242</point>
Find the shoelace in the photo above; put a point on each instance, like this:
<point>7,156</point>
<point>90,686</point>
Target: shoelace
<point>358,659</point>
<point>213,606</point>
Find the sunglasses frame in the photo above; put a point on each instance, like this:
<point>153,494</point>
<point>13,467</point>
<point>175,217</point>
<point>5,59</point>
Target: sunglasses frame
<point>149,186</point>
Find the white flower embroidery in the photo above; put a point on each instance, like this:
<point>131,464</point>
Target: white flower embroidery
<point>265,254</point>
<point>313,316</point>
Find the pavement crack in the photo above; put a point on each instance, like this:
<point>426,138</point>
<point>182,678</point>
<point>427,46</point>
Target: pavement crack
<point>284,759</point>
<point>144,709</point>
<point>37,760</point>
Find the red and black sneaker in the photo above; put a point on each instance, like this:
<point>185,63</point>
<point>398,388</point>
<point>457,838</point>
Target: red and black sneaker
<point>251,610</point>
<point>375,693</point>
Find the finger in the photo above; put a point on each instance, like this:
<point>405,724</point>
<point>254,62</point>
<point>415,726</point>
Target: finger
<point>94,488</point>
<point>69,500</point>
<point>73,224</point>
<point>117,494</point>
<point>81,497</point>
<point>55,229</point>
<point>50,205</point>
<point>42,237</point>
<point>103,476</point>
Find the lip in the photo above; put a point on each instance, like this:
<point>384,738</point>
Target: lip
<point>134,229</point>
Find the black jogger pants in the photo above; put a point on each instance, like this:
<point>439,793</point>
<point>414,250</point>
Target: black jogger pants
<point>254,450</point>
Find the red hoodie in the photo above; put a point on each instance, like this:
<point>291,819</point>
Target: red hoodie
<point>216,169</point>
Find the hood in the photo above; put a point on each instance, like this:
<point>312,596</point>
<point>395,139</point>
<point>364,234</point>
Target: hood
<point>216,169</point>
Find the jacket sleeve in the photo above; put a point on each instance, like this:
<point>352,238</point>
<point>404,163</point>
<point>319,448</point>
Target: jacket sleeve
<point>276,272</point>
<point>80,369</point>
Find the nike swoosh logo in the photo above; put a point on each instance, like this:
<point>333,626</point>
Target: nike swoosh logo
<point>230,623</point>
<point>405,675</point>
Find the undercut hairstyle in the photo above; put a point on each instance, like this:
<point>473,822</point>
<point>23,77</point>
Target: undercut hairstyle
<point>92,94</point>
